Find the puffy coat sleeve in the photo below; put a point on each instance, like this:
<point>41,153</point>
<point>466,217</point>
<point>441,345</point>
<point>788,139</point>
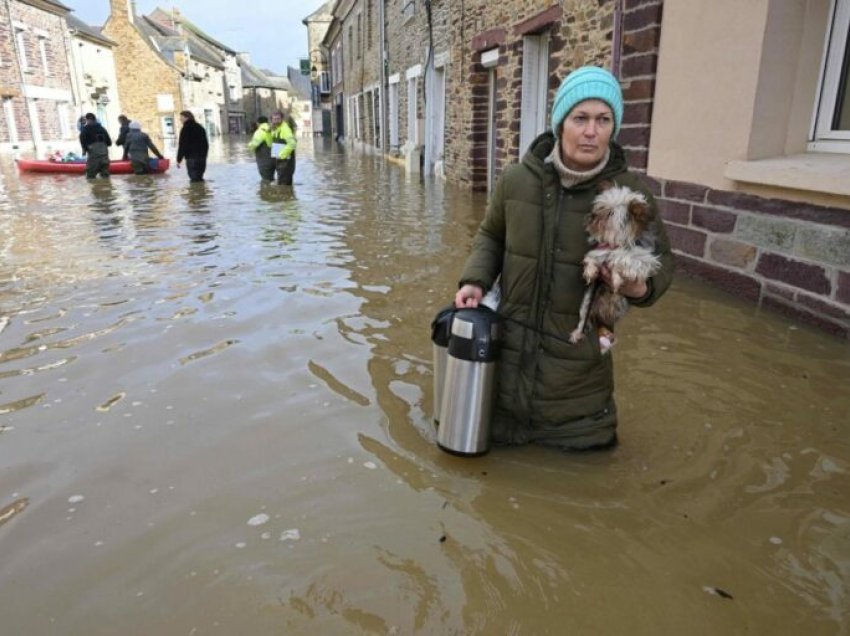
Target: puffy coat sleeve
<point>285,135</point>
<point>484,262</point>
<point>261,136</point>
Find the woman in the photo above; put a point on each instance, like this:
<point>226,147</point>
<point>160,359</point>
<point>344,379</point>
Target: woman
<point>193,146</point>
<point>550,391</point>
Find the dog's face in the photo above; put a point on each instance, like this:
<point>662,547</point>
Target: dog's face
<point>619,216</point>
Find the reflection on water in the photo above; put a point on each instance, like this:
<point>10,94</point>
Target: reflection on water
<point>215,404</point>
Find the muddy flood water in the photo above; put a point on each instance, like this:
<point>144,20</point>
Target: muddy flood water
<point>215,418</point>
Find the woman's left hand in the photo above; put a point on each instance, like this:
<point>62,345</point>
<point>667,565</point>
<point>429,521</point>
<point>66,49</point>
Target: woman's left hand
<point>628,288</point>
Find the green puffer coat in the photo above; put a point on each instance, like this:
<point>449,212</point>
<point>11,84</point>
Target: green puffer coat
<point>550,391</point>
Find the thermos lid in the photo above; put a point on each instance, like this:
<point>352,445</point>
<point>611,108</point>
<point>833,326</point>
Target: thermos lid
<point>475,335</point>
<point>441,325</point>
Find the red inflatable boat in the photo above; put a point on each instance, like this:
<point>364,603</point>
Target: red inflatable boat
<point>79,167</point>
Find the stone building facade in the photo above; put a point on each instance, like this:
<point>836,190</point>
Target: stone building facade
<point>215,80</point>
<point>418,60</point>
<point>150,85</point>
<point>490,62</point>
<point>35,78</point>
<point>263,93</point>
<point>784,247</point>
<point>14,121</point>
<point>753,202</point>
<point>360,34</point>
<point>317,24</point>
<point>332,45</point>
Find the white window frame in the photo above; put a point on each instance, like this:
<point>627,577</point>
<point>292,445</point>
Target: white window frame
<point>42,50</point>
<point>62,112</point>
<point>824,138</point>
<point>393,123</point>
<point>11,123</point>
<point>412,111</point>
<point>20,40</point>
<point>489,60</point>
<point>535,88</point>
<point>408,10</point>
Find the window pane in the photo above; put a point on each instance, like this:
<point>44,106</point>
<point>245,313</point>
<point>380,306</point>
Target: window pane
<point>841,119</point>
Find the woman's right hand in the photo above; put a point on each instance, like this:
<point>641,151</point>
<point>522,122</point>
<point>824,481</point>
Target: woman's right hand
<point>468,296</point>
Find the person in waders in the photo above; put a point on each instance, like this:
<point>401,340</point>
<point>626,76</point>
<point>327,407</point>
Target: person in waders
<point>261,144</point>
<point>550,391</point>
<point>95,142</point>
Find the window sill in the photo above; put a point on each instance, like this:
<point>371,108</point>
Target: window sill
<point>824,172</point>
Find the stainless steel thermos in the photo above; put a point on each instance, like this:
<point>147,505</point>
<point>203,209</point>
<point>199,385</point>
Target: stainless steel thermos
<point>467,388</point>
<point>440,338</point>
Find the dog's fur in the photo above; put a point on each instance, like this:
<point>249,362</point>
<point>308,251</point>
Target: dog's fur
<point>620,232</point>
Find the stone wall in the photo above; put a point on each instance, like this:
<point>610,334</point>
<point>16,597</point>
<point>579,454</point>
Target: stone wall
<point>142,73</point>
<point>52,80</point>
<point>641,31</point>
<point>787,256</point>
<point>406,41</point>
<point>581,32</point>
<point>360,31</point>
<point>10,86</point>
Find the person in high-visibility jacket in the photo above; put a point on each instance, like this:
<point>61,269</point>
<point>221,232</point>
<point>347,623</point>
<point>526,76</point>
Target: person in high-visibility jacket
<point>261,144</point>
<point>283,147</point>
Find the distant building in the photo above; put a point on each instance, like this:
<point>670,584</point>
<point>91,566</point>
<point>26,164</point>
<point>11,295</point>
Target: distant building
<point>302,106</point>
<point>360,32</point>
<point>263,91</point>
<point>35,79</point>
<point>150,82</point>
<point>229,96</point>
<point>93,73</point>
<point>317,24</point>
<point>201,71</point>
<point>332,43</point>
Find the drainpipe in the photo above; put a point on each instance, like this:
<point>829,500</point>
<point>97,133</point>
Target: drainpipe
<point>429,94</point>
<point>617,39</point>
<point>383,62</point>
<point>75,67</point>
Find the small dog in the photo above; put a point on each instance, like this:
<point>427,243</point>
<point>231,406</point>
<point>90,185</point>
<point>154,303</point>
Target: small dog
<point>620,233</point>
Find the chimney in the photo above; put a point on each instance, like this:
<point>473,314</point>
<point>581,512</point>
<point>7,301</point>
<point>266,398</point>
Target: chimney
<point>120,8</point>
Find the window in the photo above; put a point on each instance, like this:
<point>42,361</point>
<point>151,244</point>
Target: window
<point>368,24</point>
<point>42,49</point>
<point>832,121</point>
<point>324,83</point>
<point>394,113</point>
<point>62,114</point>
<point>535,87</point>
<point>336,64</point>
<point>359,34</point>
<point>412,120</point>
<point>21,41</point>
<point>11,124</point>
<point>408,10</point>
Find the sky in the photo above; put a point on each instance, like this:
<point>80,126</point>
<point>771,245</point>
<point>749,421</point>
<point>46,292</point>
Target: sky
<point>271,32</point>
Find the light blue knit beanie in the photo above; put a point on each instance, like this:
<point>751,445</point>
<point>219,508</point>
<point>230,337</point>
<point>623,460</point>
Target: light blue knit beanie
<point>588,82</point>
